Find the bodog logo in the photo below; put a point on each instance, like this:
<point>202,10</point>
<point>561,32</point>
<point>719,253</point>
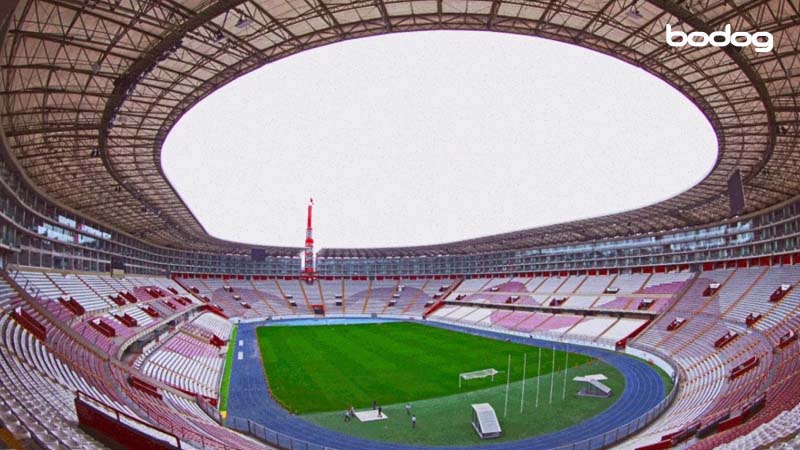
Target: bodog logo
<point>762,40</point>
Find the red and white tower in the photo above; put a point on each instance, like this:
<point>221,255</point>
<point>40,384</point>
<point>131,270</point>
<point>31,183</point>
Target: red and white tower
<point>308,272</point>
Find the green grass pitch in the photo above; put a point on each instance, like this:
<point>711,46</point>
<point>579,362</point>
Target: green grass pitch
<point>318,371</point>
<point>226,375</point>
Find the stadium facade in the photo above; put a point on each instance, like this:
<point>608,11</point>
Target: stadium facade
<point>91,89</point>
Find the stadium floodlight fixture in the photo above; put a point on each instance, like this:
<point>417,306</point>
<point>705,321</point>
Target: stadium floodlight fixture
<point>634,13</point>
<point>243,22</point>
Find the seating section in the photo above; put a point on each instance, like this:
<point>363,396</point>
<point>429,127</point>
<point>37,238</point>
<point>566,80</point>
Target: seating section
<point>472,285</point>
<point>781,428</point>
<point>356,296</point>
<point>550,285</point>
<point>269,293</point>
<point>106,323</point>
<point>37,407</point>
<point>595,284</point>
<point>332,290</point>
<point>781,399</point>
<point>212,324</point>
<point>737,286</point>
<point>249,299</point>
<point>559,323</point>
<point>607,330</point>
<point>710,393</point>
<point>571,283</point>
<point>37,387</point>
<point>529,323</point>
<point>239,298</point>
<point>756,299</point>
<point>409,299</point>
<point>188,363</point>
<point>380,294</point>
<point>622,329</point>
<point>580,301</point>
<point>313,293</point>
<point>592,326</point>
<point>629,283</point>
<point>293,291</point>
<point>652,292</point>
<point>73,286</point>
<point>41,370</point>
<point>666,283</point>
<point>431,292</point>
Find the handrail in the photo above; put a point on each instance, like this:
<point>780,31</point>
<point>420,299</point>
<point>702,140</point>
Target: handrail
<point>35,303</point>
<point>270,436</point>
<point>104,408</point>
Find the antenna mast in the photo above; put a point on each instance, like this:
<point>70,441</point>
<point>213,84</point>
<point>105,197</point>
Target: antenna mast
<point>309,274</point>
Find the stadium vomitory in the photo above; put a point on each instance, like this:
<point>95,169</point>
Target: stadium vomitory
<point>124,324</point>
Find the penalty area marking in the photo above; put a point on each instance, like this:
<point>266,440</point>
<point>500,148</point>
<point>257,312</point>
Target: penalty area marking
<point>370,416</point>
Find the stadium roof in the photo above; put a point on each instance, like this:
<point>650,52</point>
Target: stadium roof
<point>90,90</point>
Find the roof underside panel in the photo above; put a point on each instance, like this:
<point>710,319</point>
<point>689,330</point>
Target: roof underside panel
<point>89,93</point>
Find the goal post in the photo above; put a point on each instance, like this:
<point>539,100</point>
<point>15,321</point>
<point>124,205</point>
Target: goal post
<point>476,374</point>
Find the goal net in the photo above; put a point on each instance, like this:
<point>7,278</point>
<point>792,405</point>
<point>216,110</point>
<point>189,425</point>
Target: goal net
<point>477,374</point>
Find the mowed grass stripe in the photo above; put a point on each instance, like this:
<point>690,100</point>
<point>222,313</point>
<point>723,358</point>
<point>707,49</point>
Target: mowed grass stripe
<point>226,375</point>
<point>328,368</point>
<point>447,420</point>
<point>333,375</point>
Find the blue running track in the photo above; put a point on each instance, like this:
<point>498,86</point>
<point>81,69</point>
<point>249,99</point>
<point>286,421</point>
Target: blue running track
<point>249,398</point>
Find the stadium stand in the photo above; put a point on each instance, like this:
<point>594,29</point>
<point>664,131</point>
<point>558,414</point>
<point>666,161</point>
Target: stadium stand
<point>188,360</point>
<point>182,362</point>
<point>185,359</point>
<point>713,391</point>
<point>704,283</point>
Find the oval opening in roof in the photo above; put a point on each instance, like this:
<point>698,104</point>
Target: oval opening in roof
<point>431,137</point>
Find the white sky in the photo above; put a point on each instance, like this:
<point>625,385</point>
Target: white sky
<point>430,137</point>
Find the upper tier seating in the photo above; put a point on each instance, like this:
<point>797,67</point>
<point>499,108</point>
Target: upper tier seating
<point>580,292</point>
<point>550,285</point>
<point>629,283</point>
<point>595,284</point>
<point>599,329</point>
<point>571,283</point>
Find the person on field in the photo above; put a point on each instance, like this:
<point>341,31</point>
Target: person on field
<point>408,409</point>
<point>413,421</point>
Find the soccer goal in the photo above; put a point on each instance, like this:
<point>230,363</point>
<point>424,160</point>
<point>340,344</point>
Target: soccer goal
<point>477,374</point>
